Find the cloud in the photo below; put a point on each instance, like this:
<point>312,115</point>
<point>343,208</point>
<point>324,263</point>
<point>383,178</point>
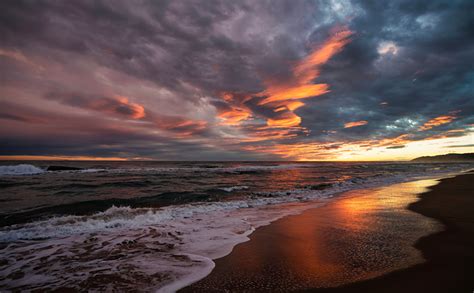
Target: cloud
<point>282,94</point>
<point>233,79</point>
<point>287,119</point>
<point>395,147</point>
<point>440,120</point>
<point>387,48</point>
<point>18,56</point>
<point>299,85</point>
<point>460,146</point>
<point>355,124</point>
<point>114,105</point>
<point>235,116</point>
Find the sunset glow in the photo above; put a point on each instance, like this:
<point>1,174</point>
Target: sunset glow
<point>253,85</point>
<point>437,122</point>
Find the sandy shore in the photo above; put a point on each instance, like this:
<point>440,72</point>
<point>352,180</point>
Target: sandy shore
<point>367,241</point>
<point>449,254</point>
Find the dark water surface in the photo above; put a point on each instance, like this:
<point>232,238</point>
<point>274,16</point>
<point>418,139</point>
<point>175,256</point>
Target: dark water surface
<point>155,184</point>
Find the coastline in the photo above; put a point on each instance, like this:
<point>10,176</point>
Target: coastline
<point>226,265</point>
<point>191,244</point>
<point>449,254</point>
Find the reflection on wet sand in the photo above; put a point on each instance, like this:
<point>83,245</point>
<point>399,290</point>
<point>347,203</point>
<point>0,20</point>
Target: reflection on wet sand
<point>364,234</point>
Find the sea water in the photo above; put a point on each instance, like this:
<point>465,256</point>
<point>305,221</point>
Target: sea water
<point>158,225</point>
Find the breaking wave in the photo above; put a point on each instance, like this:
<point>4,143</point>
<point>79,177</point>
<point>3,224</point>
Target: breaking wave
<point>232,188</point>
<point>22,169</point>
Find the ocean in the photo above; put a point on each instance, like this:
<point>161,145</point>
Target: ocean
<point>158,225</point>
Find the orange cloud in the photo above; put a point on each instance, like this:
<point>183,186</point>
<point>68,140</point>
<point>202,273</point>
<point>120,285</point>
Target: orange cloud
<point>304,72</point>
<point>294,92</point>
<point>291,106</point>
<point>236,112</point>
<point>256,133</point>
<point>186,128</point>
<point>272,134</point>
<point>399,140</point>
<point>116,105</point>
<point>178,127</point>
<point>136,111</point>
<point>290,119</point>
<point>449,133</point>
<point>438,121</point>
<point>283,96</point>
<point>355,124</point>
<point>326,150</point>
<point>300,151</point>
<point>235,116</point>
<point>344,150</point>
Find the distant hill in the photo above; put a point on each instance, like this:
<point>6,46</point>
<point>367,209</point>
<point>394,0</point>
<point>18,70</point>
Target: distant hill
<point>468,157</point>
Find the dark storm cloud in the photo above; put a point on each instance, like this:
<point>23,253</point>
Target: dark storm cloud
<point>426,76</point>
<point>149,78</point>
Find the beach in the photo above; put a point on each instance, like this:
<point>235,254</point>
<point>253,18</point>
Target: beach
<point>408,237</point>
<point>240,226</point>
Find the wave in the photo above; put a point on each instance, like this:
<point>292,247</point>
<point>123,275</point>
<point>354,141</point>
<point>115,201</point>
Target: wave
<point>232,188</point>
<point>27,169</point>
<point>127,217</point>
<point>22,169</point>
<point>197,169</point>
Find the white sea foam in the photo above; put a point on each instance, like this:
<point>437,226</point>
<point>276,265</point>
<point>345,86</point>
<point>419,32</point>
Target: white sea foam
<point>92,170</point>
<point>22,169</point>
<point>232,188</point>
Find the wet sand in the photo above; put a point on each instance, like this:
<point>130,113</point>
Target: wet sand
<point>450,253</point>
<point>367,241</point>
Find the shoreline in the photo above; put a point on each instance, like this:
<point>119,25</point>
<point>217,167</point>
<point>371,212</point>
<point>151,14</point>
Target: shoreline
<point>348,286</point>
<point>449,265</point>
<point>185,248</point>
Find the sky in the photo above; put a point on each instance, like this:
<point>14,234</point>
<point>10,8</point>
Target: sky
<point>236,80</point>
